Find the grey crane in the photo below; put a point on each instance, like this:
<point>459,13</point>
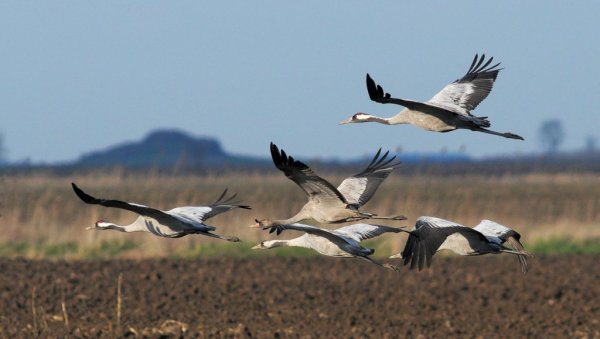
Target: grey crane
<point>434,234</point>
<point>175,223</point>
<point>342,242</point>
<point>448,110</point>
<point>327,204</point>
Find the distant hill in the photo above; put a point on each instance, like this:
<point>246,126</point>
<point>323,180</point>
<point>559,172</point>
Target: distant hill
<point>165,149</point>
<point>168,149</point>
<point>174,151</point>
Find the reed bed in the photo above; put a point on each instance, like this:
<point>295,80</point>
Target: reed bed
<point>41,217</point>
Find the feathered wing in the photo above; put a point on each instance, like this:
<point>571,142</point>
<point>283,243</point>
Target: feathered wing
<point>308,229</point>
<point>426,238</point>
<point>377,94</point>
<point>303,176</point>
<point>518,247</point>
<point>463,95</point>
<point>223,204</point>
<point>506,235</point>
<point>360,188</point>
<point>192,215</point>
<point>159,215</point>
<point>360,232</point>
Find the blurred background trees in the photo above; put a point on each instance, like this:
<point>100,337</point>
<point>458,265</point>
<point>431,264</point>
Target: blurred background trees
<point>2,150</point>
<point>551,135</point>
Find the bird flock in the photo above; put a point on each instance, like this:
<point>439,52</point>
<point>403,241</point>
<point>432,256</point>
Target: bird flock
<point>448,110</point>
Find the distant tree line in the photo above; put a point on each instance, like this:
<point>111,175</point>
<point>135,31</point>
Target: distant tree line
<point>2,149</point>
<point>552,135</point>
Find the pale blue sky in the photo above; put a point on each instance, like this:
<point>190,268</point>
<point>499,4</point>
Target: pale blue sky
<point>77,76</point>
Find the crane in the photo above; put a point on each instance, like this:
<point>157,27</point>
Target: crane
<point>343,242</point>
<point>326,203</point>
<point>448,110</point>
<point>174,223</point>
<point>432,234</point>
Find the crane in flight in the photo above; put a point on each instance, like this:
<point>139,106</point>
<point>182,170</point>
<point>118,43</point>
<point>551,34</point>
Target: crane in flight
<point>326,203</point>
<point>343,242</point>
<point>174,223</point>
<point>434,234</point>
<point>448,110</point>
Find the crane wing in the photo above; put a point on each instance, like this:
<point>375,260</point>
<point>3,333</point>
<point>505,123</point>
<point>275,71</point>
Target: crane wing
<point>222,205</point>
<point>377,94</point>
<point>491,229</point>
<point>160,216</point>
<point>359,188</point>
<point>514,242</point>
<point>427,236</point>
<point>312,184</point>
<point>360,232</point>
<point>463,95</point>
<point>310,230</point>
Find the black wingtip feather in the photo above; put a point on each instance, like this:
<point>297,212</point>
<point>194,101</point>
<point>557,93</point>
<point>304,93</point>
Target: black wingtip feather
<point>221,197</point>
<point>371,87</point>
<point>478,67</point>
<point>275,154</point>
<point>375,157</point>
<point>486,64</point>
<point>473,63</point>
<point>422,255</point>
<point>479,63</point>
<point>88,199</point>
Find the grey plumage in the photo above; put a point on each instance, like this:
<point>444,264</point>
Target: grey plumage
<point>175,223</point>
<point>433,234</point>
<point>341,242</point>
<point>326,203</point>
<point>449,109</point>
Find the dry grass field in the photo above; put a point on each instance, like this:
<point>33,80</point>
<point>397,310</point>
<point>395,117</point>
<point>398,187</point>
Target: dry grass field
<point>146,288</point>
<point>42,218</point>
<point>480,297</point>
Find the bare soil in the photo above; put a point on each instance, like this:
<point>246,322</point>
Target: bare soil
<point>301,297</point>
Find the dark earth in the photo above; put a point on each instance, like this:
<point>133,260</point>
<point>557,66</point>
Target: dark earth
<point>270,297</point>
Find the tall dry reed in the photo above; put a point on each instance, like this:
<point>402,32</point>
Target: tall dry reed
<point>43,209</point>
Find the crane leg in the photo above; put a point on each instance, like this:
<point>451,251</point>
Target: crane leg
<point>506,134</point>
<point>388,266</point>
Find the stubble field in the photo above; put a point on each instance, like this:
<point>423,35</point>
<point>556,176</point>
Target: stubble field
<point>300,297</point>
<point>59,280</point>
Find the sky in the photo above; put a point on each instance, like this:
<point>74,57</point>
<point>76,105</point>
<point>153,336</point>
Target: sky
<point>77,76</point>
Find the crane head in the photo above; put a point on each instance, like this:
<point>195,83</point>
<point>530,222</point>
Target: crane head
<point>100,225</point>
<point>263,223</point>
<point>358,117</point>
<point>260,246</point>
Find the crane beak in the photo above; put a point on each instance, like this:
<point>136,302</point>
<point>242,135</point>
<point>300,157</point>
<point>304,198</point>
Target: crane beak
<point>347,121</point>
<point>95,225</point>
<point>256,225</point>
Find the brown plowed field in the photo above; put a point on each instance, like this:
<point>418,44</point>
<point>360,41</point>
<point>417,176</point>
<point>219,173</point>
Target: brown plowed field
<point>301,297</point>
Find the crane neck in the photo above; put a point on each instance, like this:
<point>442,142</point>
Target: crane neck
<point>300,241</point>
<point>302,215</point>
<point>401,118</point>
<point>276,243</point>
<point>139,225</point>
<point>372,118</point>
